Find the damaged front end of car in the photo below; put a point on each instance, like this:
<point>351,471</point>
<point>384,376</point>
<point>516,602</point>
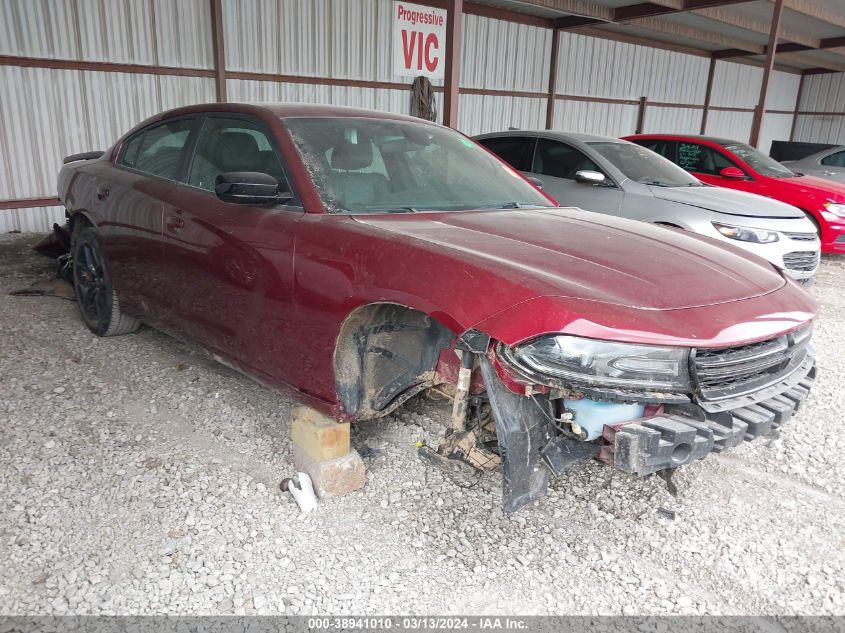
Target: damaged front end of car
<point>561,400</point>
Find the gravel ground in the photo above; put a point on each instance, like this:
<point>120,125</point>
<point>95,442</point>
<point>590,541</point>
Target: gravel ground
<point>139,478</point>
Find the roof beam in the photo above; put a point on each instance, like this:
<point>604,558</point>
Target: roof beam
<point>640,10</point>
<point>701,35</point>
<point>789,47</point>
<point>803,58</point>
<point>818,71</point>
<point>755,26</point>
<point>584,8</point>
<point>813,10</point>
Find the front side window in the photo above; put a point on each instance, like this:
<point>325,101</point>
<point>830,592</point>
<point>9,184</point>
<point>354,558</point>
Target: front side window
<point>158,150</point>
<point>758,161</point>
<point>834,160</point>
<point>363,165</point>
<point>560,160</point>
<point>229,145</point>
<point>644,166</point>
<point>514,150</point>
<point>700,159</point>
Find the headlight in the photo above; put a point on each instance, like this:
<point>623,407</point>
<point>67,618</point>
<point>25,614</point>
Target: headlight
<point>591,362</point>
<point>835,208</point>
<point>744,234</point>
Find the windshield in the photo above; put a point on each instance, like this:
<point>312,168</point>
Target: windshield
<point>759,162</point>
<point>381,166</point>
<point>644,166</point>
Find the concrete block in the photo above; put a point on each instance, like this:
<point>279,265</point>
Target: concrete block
<point>332,477</point>
<point>320,436</point>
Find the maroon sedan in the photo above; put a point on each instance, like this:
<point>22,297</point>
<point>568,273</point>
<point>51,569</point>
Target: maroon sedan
<point>359,258</point>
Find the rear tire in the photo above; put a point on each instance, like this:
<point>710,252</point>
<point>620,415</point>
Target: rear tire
<point>97,300</point>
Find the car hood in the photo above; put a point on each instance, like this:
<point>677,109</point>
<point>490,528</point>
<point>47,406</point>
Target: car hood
<point>584,255</point>
<point>728,201</point>
<point>821,188</point>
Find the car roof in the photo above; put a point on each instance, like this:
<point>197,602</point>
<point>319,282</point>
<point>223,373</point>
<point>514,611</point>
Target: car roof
<point>289,110</point>
<point>563,136</point>
<point>694,137</point>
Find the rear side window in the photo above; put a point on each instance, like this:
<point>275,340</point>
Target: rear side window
<point>663,147</point>
<point>158,150</point>
<point>560,160</point>
<point>701,159</point>
<point>835,160</point>
<point>514,150</point>
<point>227,145</point>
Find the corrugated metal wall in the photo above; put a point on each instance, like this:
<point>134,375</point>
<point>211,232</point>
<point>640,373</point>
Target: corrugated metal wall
<point>150,32</point>
<point>677,120</point>
<point>341,39</point>
<point>46,114</point>
<point>592,67</point>
<point>498,55</point>
<point>31,220</point>
<point>609,119</point>
<point>738,86</point>
<point>606,68</point>
<point>372,98</point>
<point>783,91</point>
<point>822,94</point>
<point>487,113</point>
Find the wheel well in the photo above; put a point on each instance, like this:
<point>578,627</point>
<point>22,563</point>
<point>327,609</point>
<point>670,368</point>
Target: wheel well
<point>78,221</point>
<point>813,219</point>
<point>386,353</point>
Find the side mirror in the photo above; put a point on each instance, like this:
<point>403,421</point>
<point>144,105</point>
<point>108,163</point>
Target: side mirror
<point>535,181</point>
<point>590,177</point>
<point>247,187</point>
<point>732,173</point>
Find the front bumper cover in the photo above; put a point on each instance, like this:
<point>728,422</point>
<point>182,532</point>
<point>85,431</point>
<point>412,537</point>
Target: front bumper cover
<point>532,450</point>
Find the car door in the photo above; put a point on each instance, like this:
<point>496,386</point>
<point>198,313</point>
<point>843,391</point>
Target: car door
<point>231,264</point>
<point>556,163</point>
<point>130,197</point>
<point>706,163</point>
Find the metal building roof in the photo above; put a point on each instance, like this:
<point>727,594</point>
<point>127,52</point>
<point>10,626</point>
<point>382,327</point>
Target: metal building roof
<point>811,36</point>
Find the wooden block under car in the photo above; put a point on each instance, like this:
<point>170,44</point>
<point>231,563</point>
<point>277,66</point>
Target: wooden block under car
<point>319,436</point>
<point>332,477</point>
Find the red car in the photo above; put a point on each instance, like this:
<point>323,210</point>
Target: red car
<point>358,258</point>
<point>736,165</point>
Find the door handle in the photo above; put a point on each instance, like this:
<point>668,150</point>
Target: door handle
<point>103,192</point>
<point>174,223</point>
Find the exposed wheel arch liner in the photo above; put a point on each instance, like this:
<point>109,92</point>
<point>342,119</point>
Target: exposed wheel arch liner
<point>386,353</point>
<point>80,219</point>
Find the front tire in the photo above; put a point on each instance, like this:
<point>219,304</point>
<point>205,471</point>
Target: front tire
<point>97,301</point>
